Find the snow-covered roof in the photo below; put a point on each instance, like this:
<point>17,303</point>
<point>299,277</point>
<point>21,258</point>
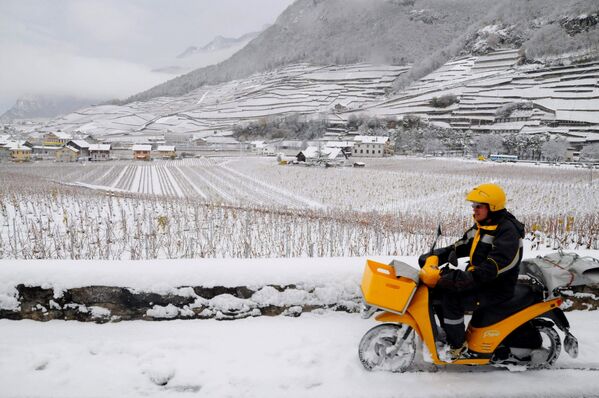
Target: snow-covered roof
<point>71,148</point>
<point>334,153</point>
<point>99,147</point>
<point>340,144</point>
<point>141,147</point>
<point>62,135</point>
<point>46,147</point>
<point>81,143</point>
<point>20,144</point>
<point>310,152</point>
<point>16,146</point>
<point>313,152</point>
<point>126,138</point>
<point>166,148</point>
<point>371,139</point>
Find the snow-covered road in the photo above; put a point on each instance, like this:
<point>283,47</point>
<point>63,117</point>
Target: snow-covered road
<point>314,355</point>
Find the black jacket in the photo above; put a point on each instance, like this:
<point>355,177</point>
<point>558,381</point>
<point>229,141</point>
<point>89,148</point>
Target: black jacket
<point>495,251</point>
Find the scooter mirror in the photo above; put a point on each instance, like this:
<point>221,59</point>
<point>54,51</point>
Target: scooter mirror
<point>453,258</point>
<point>436,238</point>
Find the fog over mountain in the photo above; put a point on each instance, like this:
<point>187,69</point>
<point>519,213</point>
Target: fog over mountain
<point>422,33</point>
<point>44,106</point>
<point>217,50</point>
<point>218,43</point>
<point>111,49</point>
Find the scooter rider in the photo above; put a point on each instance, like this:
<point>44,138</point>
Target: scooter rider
<point>494,245</point>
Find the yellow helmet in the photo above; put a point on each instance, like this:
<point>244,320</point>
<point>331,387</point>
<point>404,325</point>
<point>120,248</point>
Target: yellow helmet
<point>491,194</point>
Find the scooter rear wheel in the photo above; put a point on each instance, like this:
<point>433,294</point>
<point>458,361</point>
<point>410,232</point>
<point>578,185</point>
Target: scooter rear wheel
<point>381,348</point>
<point>546,355</point>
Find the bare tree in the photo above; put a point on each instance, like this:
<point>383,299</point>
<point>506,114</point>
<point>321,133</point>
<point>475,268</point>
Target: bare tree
<point>590,152</point>
<point>488,143</point>
<point>555,150</point>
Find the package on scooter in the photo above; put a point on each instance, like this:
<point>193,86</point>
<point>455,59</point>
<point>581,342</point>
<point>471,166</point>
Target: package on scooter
<point>562,270</point>
<point>389,286</point>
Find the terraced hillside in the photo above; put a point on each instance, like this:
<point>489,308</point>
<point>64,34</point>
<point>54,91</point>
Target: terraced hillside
<point>304,89</point>
<point>493,93</point>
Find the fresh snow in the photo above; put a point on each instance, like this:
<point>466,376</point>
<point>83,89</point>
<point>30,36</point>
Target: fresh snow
<point>314,355</point>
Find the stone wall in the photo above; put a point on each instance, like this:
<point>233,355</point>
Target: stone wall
<point>111,304</point>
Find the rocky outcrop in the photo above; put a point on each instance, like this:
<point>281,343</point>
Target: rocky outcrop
<point>579,24</point>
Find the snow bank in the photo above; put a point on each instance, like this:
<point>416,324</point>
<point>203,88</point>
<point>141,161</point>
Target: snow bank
<point>104,291</point>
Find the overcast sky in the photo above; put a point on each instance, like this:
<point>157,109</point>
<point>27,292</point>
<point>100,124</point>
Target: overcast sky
<point>107,48</point>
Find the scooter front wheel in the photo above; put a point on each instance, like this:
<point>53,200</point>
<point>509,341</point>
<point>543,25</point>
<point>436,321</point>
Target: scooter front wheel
<point>389,347</point>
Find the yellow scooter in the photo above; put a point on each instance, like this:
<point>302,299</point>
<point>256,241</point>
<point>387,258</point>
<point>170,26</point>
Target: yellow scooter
<point>519,333</point>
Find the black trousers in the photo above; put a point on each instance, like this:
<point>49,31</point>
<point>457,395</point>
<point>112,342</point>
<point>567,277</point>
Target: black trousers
<point>453,306</point>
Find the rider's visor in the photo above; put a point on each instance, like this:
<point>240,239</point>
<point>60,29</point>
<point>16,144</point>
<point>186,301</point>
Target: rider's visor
<point>476,205</point>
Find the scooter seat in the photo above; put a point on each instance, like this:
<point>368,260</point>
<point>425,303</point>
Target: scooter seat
<point>523,297</point>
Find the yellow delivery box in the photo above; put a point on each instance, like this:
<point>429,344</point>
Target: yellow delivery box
<point>389,286</point>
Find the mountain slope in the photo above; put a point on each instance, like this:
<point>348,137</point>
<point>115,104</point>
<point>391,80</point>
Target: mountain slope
<point>338,32</point>
<point>425,33</point>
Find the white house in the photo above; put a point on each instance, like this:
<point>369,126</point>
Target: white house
<point>166,151</point>
<point>99,152</point>
<point>372,146</point>
<point>142,151</point>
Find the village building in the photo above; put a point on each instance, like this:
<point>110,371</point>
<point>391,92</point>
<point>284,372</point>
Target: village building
<point>257,146</point>
<point>98,152</point>
<point>18,152</point>
<point>166,152</point>
<point>67,154</point>
<point>313,154</point>
<point>345,146</point>
<point>43,152</point>
<point>82,146</point>
<point>372,146</point>
<point>56,139</point>
<point>142,151</point>
<point>220,143</point>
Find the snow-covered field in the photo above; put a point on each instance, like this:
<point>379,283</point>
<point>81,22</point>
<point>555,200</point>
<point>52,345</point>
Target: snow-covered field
<point>398,184</point>
<point>253,207</point>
